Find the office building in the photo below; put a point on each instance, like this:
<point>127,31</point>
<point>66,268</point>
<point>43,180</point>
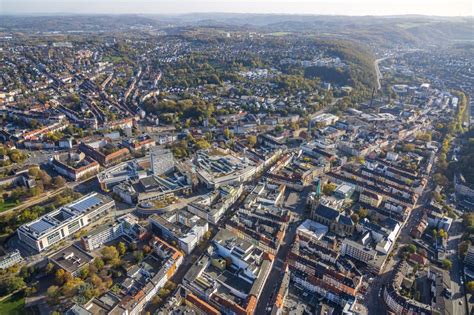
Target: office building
<point>55,226</point>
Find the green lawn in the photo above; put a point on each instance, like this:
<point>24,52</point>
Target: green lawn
<point>13,305</point>
<point>6,205</point>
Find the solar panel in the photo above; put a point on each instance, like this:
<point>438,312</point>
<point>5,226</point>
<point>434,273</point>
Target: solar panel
<point>86,204</point>
<point>41,226</point>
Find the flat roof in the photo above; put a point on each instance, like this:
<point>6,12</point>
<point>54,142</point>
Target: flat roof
<point>66,213</point>
<point>86,203</point>
<point>313,228</point>
<point>41,226</point>
<point>71,258</point>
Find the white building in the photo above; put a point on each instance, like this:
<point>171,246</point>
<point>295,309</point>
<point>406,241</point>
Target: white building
<point>55,226</point>
<point>184,228</point>
<point>10,259</point>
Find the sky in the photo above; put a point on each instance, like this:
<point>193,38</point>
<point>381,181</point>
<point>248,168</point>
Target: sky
<point>331,7</point>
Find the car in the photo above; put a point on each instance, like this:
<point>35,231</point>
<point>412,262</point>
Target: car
<point>460,302</point>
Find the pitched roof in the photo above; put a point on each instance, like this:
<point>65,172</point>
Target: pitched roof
<point>326,212</point>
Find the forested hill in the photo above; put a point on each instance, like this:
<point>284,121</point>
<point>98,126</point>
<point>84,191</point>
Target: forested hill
<point>360,73</point>
<point>381,31</point>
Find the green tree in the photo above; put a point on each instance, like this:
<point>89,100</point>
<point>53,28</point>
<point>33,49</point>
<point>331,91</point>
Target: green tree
<point>84,273</point>
<point>329,188</point>
<point>440,179</point>
<point>109,253</point>
<point>49,268</point>
<point>121,248</point>
<point>363,213</point>
<point>411,248</point>
<point>61,276</point>
<point>447,264</point>
<point>202,144</point>
<point>463,247</point>
<point>59,182</point>
<point>252,140</point>
<point>228,134</point>
<point>409,147</point>
<point>10,284</point>
<point>470,287</point>
<point>99,263</point>
<point>53,293</point>
<point>138,255</point>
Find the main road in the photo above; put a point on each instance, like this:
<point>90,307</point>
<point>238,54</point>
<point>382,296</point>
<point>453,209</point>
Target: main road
<point>375,303</point>
<point>297,202</point>
<point>377,71</point>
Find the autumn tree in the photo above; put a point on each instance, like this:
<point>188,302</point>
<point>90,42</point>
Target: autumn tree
<point>99,263</point>
<point>109,253</point>
<point>121,248</point>
<point>59,182</point>
<point>329,188</point>
<point>447,264</point>
<point>53,294</point>
<point>252,140</point>
<point>470,287</point>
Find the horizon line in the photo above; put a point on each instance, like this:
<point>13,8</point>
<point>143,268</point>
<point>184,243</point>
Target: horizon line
<point>68,13</point>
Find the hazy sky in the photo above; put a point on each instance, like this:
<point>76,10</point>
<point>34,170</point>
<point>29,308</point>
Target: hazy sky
<point>342,7</point>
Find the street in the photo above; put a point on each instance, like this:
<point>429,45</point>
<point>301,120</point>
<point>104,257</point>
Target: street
<point>297,201</point>
<point>375,302</point>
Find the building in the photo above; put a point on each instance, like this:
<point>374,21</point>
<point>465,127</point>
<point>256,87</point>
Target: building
<point>401,304</point>
<point>261,222</point>
<point>336,221</point>
<point>125,171</point>
<point>324,120</point>
<point>20,178</point>
<point>418,230</point>
<point>212,206</point>
<point>218,169</point>
<point>141,282</point>
<point>185,302</point>
<point>344,191</point>
<point>469,259</point>
<point>142,144</point>
<point>135,181</point>
<point>72,259</point>
<point>311,230</point>
<point>75,166</point>
<point>125,225</point>
<point>180,227</point>
<point>439,221</point>
<point>57,225</point>
<point>10,259</point>
<point>231,275</point>
<point>153,187</point>
<point>363,253</point>
<point>313,276</point>
<point>462,187</point>
<point>162,161</point>
<point>370,198</point>
<point>100,155</point>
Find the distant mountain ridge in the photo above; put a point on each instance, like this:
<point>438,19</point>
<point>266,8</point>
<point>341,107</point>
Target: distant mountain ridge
<point>411,30</point>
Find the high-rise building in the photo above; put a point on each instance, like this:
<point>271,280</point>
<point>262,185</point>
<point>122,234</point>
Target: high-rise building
<point>162,161</point>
